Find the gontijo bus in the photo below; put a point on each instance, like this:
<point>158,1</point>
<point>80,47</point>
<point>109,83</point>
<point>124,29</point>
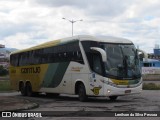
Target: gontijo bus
<point>83,65</point>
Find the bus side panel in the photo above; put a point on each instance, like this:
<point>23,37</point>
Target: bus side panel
<point>54,74</point>
<point>33,74</point>
<point>81,73</point>
<point>13,78</point>
<point>62,77</point>
<point>93,86</point>
<point>57,79</point>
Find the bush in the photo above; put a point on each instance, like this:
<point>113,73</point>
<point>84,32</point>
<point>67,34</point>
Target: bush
<point>4,85</point>
<point>3,71</point>
<point>151,86</point>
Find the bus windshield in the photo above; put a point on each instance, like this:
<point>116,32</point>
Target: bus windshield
<point>122,61</point>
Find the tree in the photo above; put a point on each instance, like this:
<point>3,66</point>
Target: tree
<point>3,71</point>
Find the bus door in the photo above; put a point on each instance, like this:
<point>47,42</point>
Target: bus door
<point>96,75</point>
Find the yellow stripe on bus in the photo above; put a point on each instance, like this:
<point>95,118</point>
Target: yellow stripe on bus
<point>120,82</point>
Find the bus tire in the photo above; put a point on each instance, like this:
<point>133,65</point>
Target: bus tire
<point>82,93</point>
<point>113,98</point>
<point>22,89</point>
<point>29,89</point>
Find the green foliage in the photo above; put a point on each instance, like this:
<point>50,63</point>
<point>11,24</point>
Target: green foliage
<point>151,86</point>
<point>3,71</point>
<point>5,85</point>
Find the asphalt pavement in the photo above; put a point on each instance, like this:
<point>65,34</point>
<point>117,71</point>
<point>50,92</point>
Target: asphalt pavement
<point>9,102</point>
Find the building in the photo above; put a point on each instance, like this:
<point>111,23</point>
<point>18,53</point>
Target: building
<point>4,57</point>
<point>156,53</point>
<point>151,67</point>
<point>2,46</point>
<point>157,50</point>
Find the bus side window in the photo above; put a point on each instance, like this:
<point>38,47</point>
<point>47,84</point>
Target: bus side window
<point>146,64</point>
<point>153,64</point>
<point>14,60</point>
<point>97,67</point>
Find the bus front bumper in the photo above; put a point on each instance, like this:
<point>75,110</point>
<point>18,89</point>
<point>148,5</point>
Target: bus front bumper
<point>119,91</point>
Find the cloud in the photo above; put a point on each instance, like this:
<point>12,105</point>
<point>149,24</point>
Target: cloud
<point>91,7</point>
<point>36,21</point>
<point>61,3</point>
<point>21,40</point>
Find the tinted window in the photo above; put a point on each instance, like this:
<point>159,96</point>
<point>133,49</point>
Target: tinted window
<point>62,53</point>
<point>97,66</point>
<point>146,64</point>
<point>94,58</point>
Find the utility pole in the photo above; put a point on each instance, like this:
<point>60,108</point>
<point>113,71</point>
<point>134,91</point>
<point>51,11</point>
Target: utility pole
<point>72,21</point>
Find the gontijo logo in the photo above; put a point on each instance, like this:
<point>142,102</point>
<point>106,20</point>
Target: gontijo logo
<point>31,70</point>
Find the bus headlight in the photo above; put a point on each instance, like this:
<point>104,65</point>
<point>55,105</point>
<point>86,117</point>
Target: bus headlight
<point>108,90</point>
<point>108,82</point>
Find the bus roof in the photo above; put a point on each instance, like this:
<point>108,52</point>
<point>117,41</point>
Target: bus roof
<point>107,39</point>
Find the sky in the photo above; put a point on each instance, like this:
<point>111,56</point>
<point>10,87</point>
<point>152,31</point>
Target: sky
<point>25,23</point>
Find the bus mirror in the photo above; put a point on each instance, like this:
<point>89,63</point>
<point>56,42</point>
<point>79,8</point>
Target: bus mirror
<point>102,52</point>
<point>145,54</point>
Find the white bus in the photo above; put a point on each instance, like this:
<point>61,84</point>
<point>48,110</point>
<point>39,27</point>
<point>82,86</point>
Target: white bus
<point>82,65</point>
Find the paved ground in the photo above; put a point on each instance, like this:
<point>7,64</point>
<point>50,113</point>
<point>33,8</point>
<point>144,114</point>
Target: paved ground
<point>14,103</point>
<point>146,101</point>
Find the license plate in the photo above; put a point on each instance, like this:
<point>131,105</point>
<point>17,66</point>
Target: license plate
<point>127,91</point>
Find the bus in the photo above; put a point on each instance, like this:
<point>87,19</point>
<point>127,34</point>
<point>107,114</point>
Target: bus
<point>81,65</point>
<point>151,63</point>
<point>151,70</point>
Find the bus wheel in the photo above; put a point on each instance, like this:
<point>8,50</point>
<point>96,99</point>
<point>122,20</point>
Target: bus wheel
<point>29,89</point>
<point>113,98</point>
<point>82,93</point>
<point>22,89</point>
